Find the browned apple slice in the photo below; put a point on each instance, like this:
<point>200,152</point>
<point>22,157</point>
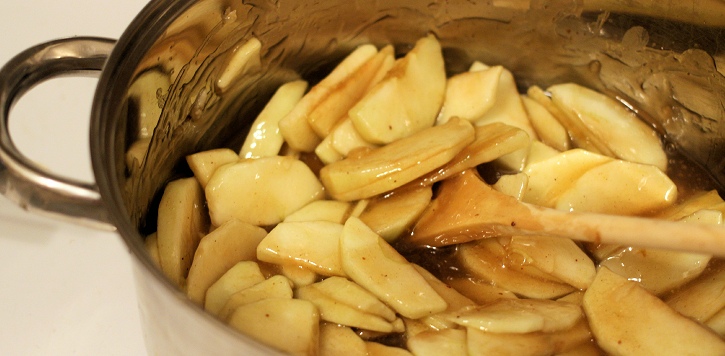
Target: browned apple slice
<point>395,164</point>
<point>487,260</point>
<point>392,215</point>
<point>623,317</point>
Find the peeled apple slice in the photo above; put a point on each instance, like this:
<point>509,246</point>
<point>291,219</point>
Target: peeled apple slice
<point>450,342</point>
<point>658,271</point>
<point>391,216</point>
<point>181,224</point>
<point>407,100</point>
<point>275,287</point>
<point>535,343</point>
<point>550,178</point>
<point>623,317</point>
<point>373,264</point>
<point>241,276</point>
<point>486,260</point>
<point>470,95</point>
<point>492,141</point>
<point>547,127</point>
<point>218,251</point>
<point>264,138</point>
<point>519,316</point>
<point>619,129</point>
<point>290,325</point>
<point>478,291</point>
<point>332,310</point>
<point>619,187</point>
<point>322,210</point>
<point>393,165</point>
<point>338,340</point>
<point>557,256</point>
<point>261,191</point>
<point>702,298</point>
<point>295,127</point>
<point>312,244</point>
<point>353,295</point>
<point>347,93</point>
<point>205,163</point>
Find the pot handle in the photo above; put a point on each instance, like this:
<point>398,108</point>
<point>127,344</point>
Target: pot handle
<point>21,180</point>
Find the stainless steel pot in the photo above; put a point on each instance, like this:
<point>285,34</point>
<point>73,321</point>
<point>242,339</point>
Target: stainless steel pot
<point>162,75</point>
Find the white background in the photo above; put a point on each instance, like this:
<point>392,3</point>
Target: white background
<point>64,289</point>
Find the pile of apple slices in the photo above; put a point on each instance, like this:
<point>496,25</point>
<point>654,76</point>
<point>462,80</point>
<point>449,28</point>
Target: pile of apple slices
<point>304,259</point>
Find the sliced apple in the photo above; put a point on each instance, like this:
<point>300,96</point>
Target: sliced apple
<point>295,127</point>
<point>696,202</point>
<point>264,138</point>
<point>322,210</point>
<point>623,317</point>
<point>512,185</point>
<point>345,138</point>
<point>619,187</point>
<point>560,257</point>
<point>492,141</point>
<point>299,275</point>
<point>486,260</point>
<point>470,95</point>
<point>218,251</point>
<point>478,291</point>
<point>536,343</point>
<point>181,223</point>
<point>549,130</point>
<point>312,244</point>
<point>581,136</point>
<point>550,178</point>
<point>439,342</point>
<point>365,258</point>
<point>393,215</point>
<point>205,163</point>
<point>241,276</point>
<point>274,287</point>
<point>702,298</point>
<point>343,96</point>
<point>332,310</point>
<point>326,152</point>
<point>355,296</point>
<point>393,165</point>
<point>628,137</point>
<point>340,340</point>
<point>261,191</point>
<point>658,271</point>
<point>519,316</point>
<point>407,100</point>
<point>290,325</point>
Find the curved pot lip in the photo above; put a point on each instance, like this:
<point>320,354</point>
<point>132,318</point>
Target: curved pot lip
<point>133,44</point>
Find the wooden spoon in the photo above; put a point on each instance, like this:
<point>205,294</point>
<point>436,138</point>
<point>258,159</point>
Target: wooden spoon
<point>467,209</point>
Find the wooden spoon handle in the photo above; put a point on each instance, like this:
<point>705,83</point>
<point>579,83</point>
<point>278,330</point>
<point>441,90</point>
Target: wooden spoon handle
<point>628,231</point>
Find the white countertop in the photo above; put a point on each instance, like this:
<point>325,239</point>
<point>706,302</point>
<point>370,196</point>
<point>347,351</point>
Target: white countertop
<point>66,289</point>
